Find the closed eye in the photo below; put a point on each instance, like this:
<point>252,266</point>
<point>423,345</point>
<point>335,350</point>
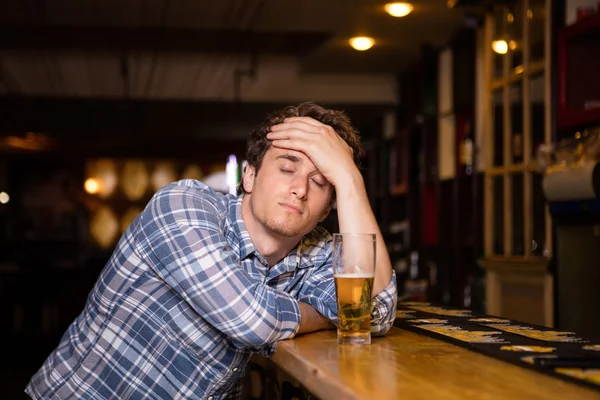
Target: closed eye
<point>286,171</point>
<point>319,184</point>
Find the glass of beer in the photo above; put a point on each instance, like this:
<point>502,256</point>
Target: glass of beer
<point>354,272</point>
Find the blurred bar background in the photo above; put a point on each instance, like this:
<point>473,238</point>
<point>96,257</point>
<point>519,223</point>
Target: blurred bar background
<point>479,121</point>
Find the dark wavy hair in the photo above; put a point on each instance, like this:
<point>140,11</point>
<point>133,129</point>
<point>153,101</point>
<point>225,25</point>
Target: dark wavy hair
<point>258,144</point>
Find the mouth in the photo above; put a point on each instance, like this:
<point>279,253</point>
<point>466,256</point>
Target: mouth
<point>292,209</point>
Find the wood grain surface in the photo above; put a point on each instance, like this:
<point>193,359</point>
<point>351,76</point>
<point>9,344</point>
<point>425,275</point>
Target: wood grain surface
<point>405,365</point>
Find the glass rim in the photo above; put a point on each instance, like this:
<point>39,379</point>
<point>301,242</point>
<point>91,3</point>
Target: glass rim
<point>355,234</point>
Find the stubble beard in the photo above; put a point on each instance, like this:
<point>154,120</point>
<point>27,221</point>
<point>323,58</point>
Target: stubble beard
<point>280,226</point>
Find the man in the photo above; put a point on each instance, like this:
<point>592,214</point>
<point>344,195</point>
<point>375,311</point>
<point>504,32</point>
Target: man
<point>200,280</point>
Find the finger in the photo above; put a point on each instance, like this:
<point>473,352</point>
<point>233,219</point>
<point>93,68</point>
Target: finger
<point>300,125</point>
<point>320,127</point>
<point>290,144</point>
<point>292,133</point>
<point>308,120</point>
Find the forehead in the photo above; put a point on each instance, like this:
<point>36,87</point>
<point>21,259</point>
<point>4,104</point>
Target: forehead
<point>275,154</point>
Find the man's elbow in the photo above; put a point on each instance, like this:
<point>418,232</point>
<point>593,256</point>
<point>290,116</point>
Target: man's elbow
<point>265,325</point>
<point>261,336</point>
<point>254,340</point>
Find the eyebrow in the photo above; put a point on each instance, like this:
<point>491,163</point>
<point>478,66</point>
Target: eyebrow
<point>290,157</point>
<point>294,159</point>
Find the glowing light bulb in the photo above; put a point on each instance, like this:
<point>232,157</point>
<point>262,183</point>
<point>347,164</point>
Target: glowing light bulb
<point>500,46</point>
<point>91,185</point>
<point>398,9</point>
<point>362,43</point>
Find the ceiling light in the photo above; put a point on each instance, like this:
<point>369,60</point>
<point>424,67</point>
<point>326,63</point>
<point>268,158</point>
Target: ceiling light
<point>500,46</point>
<point>398,9</point>
<point>362,43</point>
<point>4,198</point>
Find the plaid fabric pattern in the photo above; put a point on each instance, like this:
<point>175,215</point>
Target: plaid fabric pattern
<point>183,302</point>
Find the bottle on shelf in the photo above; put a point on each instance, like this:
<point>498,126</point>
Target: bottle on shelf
<point>466,150</point>
<point>517,147</point>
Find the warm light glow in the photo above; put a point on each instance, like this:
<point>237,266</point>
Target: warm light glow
<point>193,171</point>
<point>31,141</point>
<point>104,227</point>
<point>398,9</point>
<point>500,46</point>
<point>529,14</point>
<point>134,179</point>
<point>510,18</point>
<point>128,217</point>
<point>362,43</point>
<point>104,171</point>
<point>512,45</point>
<point>91,185</point>
<point>163,174</point>
<point>4,198</point>
<point>519,69</point>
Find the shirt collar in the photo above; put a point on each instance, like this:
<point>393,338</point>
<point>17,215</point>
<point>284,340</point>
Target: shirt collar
<point>238,228</point>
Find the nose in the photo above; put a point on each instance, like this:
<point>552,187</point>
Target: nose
<point>299,187</point>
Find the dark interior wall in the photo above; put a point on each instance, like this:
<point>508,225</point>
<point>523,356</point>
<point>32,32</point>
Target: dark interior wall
<point>48,262</point>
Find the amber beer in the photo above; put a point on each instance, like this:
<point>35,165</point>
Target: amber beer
<point>354,307</point>
<point>353,264</point>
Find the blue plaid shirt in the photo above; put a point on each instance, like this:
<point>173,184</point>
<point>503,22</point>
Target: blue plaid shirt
<point>183,302</point>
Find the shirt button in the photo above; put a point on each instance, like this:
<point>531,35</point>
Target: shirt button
<point>210,397</point>
<point>235,369</point>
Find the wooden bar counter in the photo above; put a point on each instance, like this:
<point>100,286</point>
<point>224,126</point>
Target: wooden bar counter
<point>405,365</point>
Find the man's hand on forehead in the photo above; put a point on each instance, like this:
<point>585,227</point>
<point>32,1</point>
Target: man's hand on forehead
<point>326,149</point>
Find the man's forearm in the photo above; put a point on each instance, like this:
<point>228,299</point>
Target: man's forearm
<point>356,216</point>
<point>311,320</point>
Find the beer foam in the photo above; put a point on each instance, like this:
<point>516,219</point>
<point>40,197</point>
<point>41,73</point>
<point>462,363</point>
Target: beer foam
<point>355,275</point>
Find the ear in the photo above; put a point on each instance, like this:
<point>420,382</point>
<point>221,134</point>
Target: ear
<point>248,179</point>
<point>327,211</point>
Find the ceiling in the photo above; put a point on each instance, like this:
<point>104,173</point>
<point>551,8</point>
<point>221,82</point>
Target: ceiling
<point>252,50</point>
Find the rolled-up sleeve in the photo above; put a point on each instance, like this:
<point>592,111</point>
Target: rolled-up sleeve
<point>383,312</point>
<point>319,292</point>
<point>181,236</point>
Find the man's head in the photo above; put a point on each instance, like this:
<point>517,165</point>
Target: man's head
<point>287,195</point>
<point>258,144</point>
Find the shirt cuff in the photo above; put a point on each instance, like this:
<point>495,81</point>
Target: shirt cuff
<point>326,307</point>
<point>291,324</point>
